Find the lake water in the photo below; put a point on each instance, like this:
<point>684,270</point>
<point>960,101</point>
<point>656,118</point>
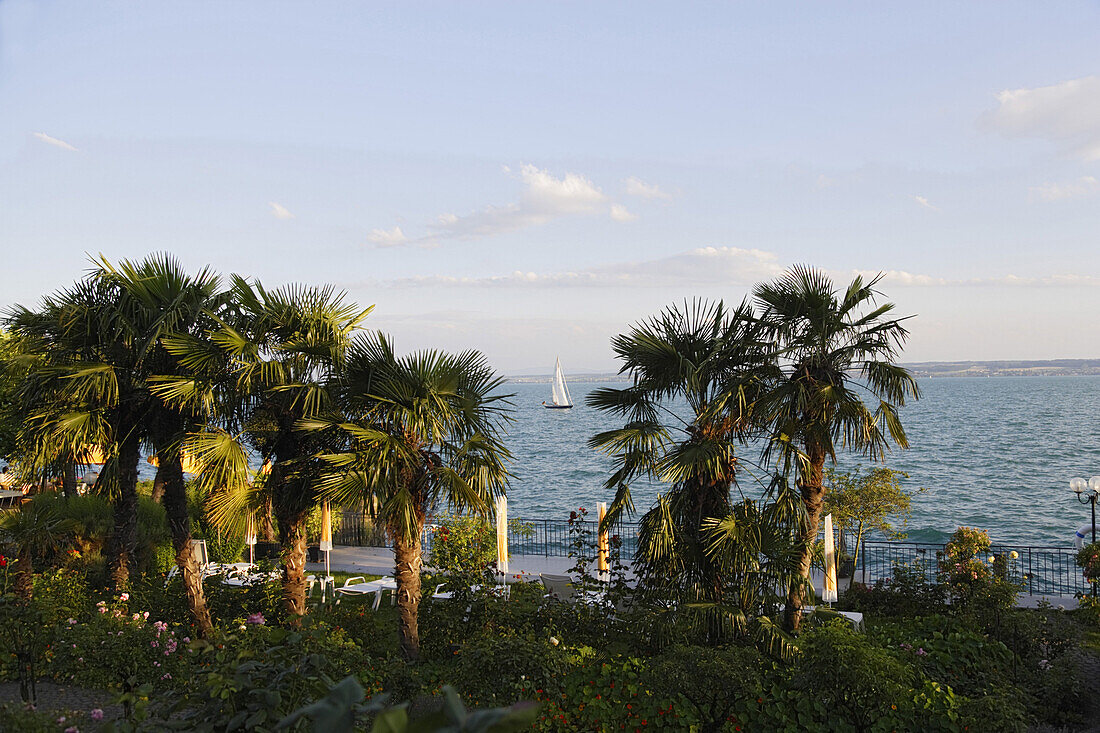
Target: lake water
<point>995,453</point>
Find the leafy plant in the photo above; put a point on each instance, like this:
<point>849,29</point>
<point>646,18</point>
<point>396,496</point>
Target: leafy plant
<point>863,502</point>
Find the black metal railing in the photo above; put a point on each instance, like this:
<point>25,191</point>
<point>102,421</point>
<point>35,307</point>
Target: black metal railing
<point>546,537</point>
<point>1040,570</point>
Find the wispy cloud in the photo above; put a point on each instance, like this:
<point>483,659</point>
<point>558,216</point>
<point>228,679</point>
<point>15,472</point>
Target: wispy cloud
<point>279,211</point>
<point>1083,186</point>
<point>619,213</point>
<point>641,189</point>
<point>925,203</point>
<point>1067,113</point>
<point>544,198</point>
<point>387,237</point>
<point>732,267</point>
<point>703,266</point>
<point>54,141</point>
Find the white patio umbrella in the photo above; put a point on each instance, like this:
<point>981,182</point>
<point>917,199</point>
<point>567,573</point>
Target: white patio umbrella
<point>828,590</point>
<point>326,535</point>
<point>603,548</point>
<point>250,539</point>
<point>502,534</point>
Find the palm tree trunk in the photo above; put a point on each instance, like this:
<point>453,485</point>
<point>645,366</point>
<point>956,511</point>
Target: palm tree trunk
<point>292,535</point>
<point>170,478</point>
<point>68,480</point>
<point>268,524</point>
<point>157,494</point>
<point>407,573</point>
<point>23,584</point>
<point>811,488</point>
<point>124,536</point>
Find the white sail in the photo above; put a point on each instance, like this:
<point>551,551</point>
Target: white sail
<point>561,390</point>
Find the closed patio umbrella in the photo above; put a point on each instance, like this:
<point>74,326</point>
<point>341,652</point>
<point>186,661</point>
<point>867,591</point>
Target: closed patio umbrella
<point>502,534</point>
<point>828,589</point>
<point>250,539</point>
<point>325,544</point>
<point>603,549</point>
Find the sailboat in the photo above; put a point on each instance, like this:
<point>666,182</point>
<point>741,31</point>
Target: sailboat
<point>560,394</point>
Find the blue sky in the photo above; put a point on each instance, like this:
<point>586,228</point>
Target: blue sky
<point>530,178</point>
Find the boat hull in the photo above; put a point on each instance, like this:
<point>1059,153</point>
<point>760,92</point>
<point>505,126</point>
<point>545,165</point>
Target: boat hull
<point>558,407</point>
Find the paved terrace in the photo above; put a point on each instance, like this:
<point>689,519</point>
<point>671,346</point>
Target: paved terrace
<point>380,561</point>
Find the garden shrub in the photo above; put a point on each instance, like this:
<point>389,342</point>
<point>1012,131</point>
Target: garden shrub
<point>494,670</point>
<point>974,585</point>
<point>718,685</point>
<point>908,592</point>
<point>850,679</point>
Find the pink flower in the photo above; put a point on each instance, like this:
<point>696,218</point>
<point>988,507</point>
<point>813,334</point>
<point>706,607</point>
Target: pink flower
<point>256,618</point>
<point>124,597</point>
<point>61,720</point>
<point>72,729</point>
<point>145,615</point>
<point>102,609</point>
<point>96,714</point>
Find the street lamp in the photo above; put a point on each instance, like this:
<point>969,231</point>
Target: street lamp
<point>1087,493</point>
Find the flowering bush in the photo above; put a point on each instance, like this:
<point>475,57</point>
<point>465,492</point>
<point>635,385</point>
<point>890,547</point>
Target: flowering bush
<point>978,583</point>
<point>119,649</point>
<point>1088,559</point>
<point>463,544</point>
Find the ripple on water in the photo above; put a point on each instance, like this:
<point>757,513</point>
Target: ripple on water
<point>995,453</point>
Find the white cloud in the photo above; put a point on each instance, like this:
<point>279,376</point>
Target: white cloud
<point>54,141</point>
<point>924,202</point>
<point>1083,186</point>
<point>387,237</point>
<point>704,266</point>
<point>279,211</point>
<point>641,189</point>
<point>543,199</point>
<point>619,213</point>
<point>1067,113</point>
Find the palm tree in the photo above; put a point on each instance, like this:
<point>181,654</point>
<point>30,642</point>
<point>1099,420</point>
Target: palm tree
<point>836,348</point>
<point>696,375</point>
<point>89,390</point>
<point>163,301</point>
<point>35,529</point>
<point>268,363</point>
<point>419,430</point>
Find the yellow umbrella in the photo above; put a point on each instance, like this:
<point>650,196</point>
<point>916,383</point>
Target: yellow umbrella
<point>502,534</point>
<point>326,528</point>
<point>190,464</point>
<point>603,549</point>
<point>91,455</point>
<point>828,590</point>
<point>326,537</point>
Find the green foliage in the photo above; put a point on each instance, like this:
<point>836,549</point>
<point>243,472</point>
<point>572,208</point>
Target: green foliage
<point>1088,559</point>
<point>907,592</point>
<point>861,502</point>
<point>866,686</point>
<point>463,548</point>
<point>975,586</point>
<point>343,705</point>
<point>20,718</point>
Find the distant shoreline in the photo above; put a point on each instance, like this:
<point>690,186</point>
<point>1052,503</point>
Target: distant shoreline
<point>924,369</point>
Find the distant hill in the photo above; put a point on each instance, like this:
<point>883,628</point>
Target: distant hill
<point>1053,368</point>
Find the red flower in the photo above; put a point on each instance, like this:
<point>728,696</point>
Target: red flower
<point>3,561</point>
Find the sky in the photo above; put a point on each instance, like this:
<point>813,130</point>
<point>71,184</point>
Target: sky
<point>529,179</point>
